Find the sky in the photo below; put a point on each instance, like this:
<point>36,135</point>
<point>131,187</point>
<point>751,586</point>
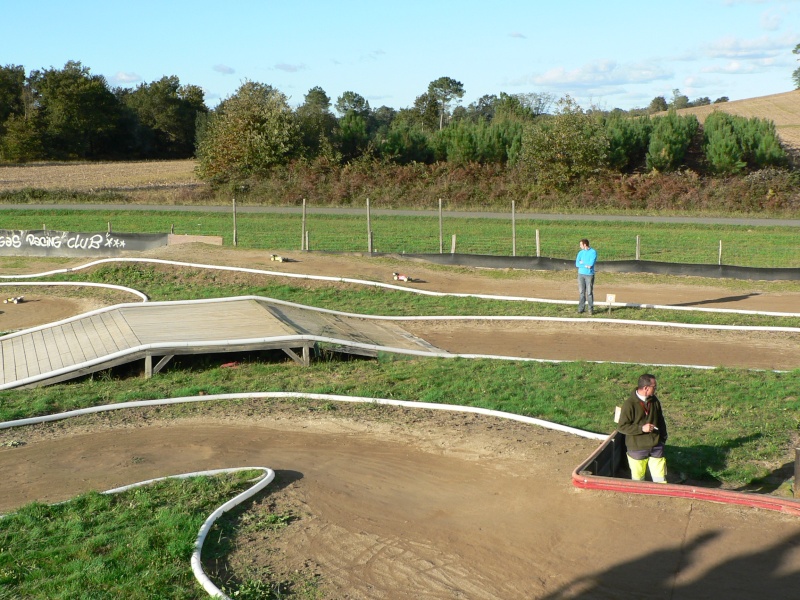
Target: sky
<point>611,54</point>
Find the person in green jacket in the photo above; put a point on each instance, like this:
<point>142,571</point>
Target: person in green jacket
<point>642,422</point>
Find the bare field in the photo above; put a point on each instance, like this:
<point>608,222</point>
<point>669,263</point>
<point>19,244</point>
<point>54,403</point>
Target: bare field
<point>783,109</point>
<point>92,177</point>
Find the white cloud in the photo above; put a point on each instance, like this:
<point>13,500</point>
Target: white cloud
<point>771,20</point>
<point>738,67</point>
<point>601,73</point>
<point>287,68</point>
<point>122,77</point>
<point>517,34</point>
<point>224,69</point>
<point>736,48</point>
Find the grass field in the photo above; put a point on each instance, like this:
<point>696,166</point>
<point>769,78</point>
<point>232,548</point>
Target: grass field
<point>680,243</point>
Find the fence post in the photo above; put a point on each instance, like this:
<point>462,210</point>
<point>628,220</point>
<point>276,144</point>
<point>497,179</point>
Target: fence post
<point>369,230</point>
<point>637,247</point>
<point>513,229</point>
<point>235,239</point>
<point>306,241</point>
<point>303,228</point>
<point>538,248</point>
<point>719,261</point>
<point>441,240</point>
<point>453,246</point>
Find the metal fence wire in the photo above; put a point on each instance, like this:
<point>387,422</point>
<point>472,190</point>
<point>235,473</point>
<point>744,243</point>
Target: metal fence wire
<point>419,232</point>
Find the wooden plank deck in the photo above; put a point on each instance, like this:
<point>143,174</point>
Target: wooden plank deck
<point>52,353</point>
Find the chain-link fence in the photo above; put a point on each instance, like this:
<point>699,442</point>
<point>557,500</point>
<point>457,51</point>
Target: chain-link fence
<point>520,235</point>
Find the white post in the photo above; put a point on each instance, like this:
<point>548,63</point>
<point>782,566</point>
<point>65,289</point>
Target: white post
<point>303,228</point>
<point>719,261</point>
<point>538,248</point>
<point>369,230</point>
<point>441,242</point>
<point>235,240</point>
<point>306,241</point>
<point>513,230</point>
<point>453,246</point>
<point>637,247</point>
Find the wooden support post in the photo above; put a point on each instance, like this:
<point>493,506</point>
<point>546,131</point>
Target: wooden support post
<point>162,363</point>
<point>148,366</point>
<point>453,245</point>
<point>538,247</point>
<point>637,247</point>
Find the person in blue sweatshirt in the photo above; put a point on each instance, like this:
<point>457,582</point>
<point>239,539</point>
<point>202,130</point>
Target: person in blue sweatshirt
<point>585,261</point>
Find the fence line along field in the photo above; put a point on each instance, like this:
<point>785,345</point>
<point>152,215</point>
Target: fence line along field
<point>92,177</point>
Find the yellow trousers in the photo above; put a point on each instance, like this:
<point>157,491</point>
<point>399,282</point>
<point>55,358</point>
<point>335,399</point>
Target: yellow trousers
<point>658,469</point>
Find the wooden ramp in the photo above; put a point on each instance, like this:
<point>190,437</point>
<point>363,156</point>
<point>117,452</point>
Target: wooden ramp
<point>120,334</point>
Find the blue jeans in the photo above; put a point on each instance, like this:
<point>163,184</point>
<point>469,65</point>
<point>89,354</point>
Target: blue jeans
<point>586,291</point>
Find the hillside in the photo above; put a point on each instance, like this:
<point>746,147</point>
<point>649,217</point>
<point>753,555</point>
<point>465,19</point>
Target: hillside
<point>783,109</point>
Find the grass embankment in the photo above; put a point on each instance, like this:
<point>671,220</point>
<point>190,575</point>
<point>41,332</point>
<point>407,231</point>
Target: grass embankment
<point>133,545</point>
<point>762,246</point>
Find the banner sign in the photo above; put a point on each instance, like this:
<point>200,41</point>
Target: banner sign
<point>46,242</point>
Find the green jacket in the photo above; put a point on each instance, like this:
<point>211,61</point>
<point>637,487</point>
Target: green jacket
<point>633,416</point>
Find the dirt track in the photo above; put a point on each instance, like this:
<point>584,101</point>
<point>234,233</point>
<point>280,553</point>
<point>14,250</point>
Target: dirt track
<point>410,504</point>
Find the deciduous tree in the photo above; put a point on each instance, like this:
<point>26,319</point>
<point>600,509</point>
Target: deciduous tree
<point>247,135</point>
<point>566,148</point>
<point>166,113</point>
<point>80,116</point>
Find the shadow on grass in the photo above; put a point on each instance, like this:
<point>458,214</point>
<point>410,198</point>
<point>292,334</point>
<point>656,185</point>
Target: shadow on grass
<point>698,462</point>
<point>719,300</point>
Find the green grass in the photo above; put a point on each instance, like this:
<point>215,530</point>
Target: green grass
<point>667,242</point>
<point>132,545</point>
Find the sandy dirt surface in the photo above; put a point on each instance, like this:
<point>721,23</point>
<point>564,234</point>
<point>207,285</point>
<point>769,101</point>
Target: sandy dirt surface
<point>401,504</point>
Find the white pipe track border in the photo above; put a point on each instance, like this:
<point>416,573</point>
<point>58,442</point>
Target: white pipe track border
<point>391,286</point>
<point>268,476</point>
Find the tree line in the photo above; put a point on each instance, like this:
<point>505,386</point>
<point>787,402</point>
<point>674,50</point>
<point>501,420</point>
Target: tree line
<point>70,113</point>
